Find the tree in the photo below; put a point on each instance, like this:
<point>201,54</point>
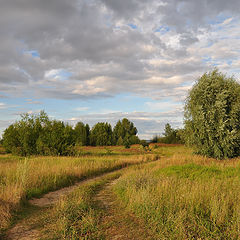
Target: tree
<point>36,134</point>
<point>120,141</point>
<point>81,134</point>
<point>57,138</point>
<point>125,130</point>
<point>101,135</point>
<point>170,135</point>
<point>88,134</point>
<point>21,137</point>
<point>212,116</point>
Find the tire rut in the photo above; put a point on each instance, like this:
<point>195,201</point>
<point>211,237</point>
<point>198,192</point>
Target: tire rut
<point>25,230</point>
<point>116,222</point>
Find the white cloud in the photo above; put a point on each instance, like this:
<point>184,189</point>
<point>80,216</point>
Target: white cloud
<point>81,109</point>
<point>3,105</point>
<point>82,58</point>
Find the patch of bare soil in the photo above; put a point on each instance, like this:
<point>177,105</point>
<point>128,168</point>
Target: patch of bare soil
<point>117,223</point>
<point>22,232</point>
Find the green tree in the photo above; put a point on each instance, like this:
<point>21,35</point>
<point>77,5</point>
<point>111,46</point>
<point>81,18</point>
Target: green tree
<point>11,140</point>
<point>212,116</point>
<point>21,137</point>
<point>88,134</point>
<point>125,129</point>
<point>36,134</point>
<point>57,138</point>
<point>126,141</point>
<point>120,141</point>
<point>170,135</point>
<point>81,134</point>
<point>101,135</point>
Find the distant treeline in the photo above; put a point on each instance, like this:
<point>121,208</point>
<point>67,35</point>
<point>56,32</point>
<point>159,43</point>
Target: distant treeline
<point>170,136</point>
<point>36,134</point>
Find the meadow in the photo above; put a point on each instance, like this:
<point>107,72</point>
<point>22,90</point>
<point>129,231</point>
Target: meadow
<point>22,178</point>
<point>185,197</point>
<point>172,193</point>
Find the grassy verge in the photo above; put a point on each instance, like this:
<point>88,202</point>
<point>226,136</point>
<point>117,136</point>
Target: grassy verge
<point>185,201</point>
<point>76,216</point>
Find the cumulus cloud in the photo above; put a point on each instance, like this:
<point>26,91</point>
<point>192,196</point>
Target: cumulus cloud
<point>97,49</point>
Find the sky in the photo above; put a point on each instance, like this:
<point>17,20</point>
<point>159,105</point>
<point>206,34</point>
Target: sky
<point>103,60</point>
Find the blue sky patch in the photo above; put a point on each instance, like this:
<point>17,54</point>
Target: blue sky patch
<point>133,26</point>
<point>162,29</point>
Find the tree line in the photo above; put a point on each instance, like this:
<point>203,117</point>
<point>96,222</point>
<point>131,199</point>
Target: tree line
<point>36,134</point>
<point>170,136</point>
<point>211,126</point>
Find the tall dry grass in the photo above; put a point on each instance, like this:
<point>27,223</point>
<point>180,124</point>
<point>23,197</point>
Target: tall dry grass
<point>23,178</point>
<point>185,197</point>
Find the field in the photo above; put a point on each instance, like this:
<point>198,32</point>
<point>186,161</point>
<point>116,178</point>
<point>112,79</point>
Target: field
<point>164,192</point>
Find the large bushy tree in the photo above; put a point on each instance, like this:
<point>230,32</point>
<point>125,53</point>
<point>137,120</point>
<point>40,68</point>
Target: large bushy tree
<point>21,137</point>
<point>125,132</point>
<point>82,134</point>
<point>101,135</point>
<point>212,114</point>
<point>36,134</point>
<point>57,138</point>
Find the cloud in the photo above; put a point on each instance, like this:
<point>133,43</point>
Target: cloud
<point>31,101</point>
<point>95,50</point>
<point>3,105</point>
<point>81,109</point>
<point>91,40</point>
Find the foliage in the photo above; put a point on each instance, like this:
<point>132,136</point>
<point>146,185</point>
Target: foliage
<point>126,142</point>
<point>155,139</point>
<point>81,134</point>
<point>144,143</point>
<point>57,138</point>
<point>171,136</point>
<point>21,137</point>
<point>36,134</point>
<point>212,113</point>
<point>126,131</point>
<point>101,135</point>
<point>119,141</point>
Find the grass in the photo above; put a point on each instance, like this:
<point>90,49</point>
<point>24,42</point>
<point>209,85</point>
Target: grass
<point>185,197</point>
<point>76,216</point>
<point>181,196</point>
<point>24,178</point>
<point>109,150</point>
<point>2,150</point>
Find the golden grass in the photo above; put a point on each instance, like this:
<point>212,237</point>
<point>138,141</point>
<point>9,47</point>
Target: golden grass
<point>203,203</point>
<point>76,215</point>
<point>23,178</point>
<point>185,196</point>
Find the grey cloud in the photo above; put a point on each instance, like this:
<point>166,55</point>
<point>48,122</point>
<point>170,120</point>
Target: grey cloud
<point>187,14</point>
<point>91,39</point>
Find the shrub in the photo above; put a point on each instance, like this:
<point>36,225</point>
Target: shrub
<point>212,114</point>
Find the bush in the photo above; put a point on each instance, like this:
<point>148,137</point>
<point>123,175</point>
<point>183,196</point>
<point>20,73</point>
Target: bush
<point>212,114</point>
<point>36,134</point>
